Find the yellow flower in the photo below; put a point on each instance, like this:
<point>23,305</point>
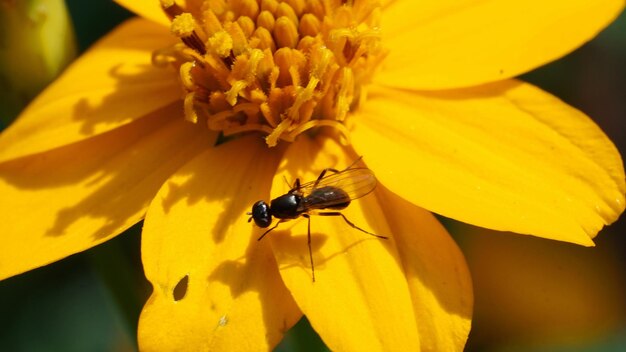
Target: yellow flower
<point>422,89</point>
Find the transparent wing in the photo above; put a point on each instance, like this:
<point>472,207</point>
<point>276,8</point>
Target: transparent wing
<point>356,182</point>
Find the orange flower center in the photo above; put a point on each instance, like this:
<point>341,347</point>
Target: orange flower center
<point>280,67</point>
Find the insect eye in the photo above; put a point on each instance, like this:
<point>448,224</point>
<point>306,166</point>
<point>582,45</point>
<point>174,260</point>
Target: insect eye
<point>261,214</point>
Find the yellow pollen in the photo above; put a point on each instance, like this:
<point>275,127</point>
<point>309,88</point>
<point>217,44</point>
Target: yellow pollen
<point>221,43</point>
<point>276,67</point>
<point>183,25</point>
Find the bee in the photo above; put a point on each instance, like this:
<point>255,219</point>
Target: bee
<point>332,190</point>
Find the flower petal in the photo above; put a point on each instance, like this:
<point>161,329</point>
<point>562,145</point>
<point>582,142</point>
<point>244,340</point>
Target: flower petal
<point>438,276</point>
<point>505,156</point>
<point>67,200</point>
<point>148,9</point>
<point>360,300</point>
<point>453,44</point>
<point>111,85</point>
<point>196,231</point>
<point>369,294</point>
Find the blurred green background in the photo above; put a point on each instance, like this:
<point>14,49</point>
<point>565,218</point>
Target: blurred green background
<point>531,294</point>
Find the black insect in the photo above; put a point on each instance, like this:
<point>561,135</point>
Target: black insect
<point>334,191</point>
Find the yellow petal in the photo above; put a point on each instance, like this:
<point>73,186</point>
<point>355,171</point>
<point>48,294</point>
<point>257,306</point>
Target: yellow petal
<point>111,85</point>
<point>438,276</point>
<point>451,44</point>
<point>67,200</point>
<point>360,300</point>
<point>506,156</point>
<point>148,9</point>
<point>369,294</point>
<point>197,228</point>
<point>38,42</point>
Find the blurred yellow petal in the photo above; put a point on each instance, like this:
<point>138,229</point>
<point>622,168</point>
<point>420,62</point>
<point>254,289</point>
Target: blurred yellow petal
<point>197,231</point>
<point>370,293</point>
<point>453,44</point>
<point>67,200</point>
<point>535,292</point>
<point>438,276</point>
<point>32,55</point>
<point>111,85</point>
<point>148,9</point>
<point>505,156</point>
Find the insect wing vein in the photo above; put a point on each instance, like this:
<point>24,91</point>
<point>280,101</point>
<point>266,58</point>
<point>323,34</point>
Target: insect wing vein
<point>356,182</point>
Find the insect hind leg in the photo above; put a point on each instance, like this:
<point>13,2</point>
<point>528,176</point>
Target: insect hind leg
<point>336,213</point>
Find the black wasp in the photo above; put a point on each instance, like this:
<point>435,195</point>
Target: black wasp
<point>329,191</point>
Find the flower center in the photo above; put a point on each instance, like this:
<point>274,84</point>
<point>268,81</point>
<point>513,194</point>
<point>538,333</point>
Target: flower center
<point>280,67</point>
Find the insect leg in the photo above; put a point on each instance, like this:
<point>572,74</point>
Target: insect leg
<point>336,213</point>
<point>268,231</point>
<point>354,162</point>
<point>287,182</point>
<point>309,244</point>
<point>295,187</point>
<point>323,173</point>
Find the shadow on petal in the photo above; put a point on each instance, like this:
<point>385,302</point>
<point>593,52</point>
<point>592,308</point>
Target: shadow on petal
<point>74,197</point>
<point>112,84</point>
<point>197,228</point>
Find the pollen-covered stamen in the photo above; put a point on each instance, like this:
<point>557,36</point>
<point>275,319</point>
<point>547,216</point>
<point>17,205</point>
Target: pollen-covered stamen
<point>171,8</point>
<point>185,27</point>
<point>277,67</point>
<point>248,67</point>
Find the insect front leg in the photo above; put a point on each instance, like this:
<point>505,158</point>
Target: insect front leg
<point>336,213</point>
<point>268,231</point>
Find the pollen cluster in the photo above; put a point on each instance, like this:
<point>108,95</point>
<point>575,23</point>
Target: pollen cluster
<point>279,67</point>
